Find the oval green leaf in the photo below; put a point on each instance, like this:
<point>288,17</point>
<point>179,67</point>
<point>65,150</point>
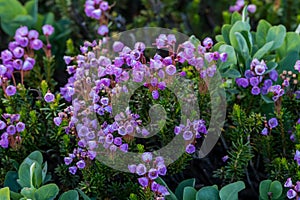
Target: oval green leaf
<point>208,193</point>
<point>276,189</point>
<point>264,187</point>
<point>180,188</point>
<point>189,193</point>
<point>230,191</point>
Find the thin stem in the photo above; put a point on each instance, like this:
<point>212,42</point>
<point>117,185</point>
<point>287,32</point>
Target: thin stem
<point>250,183</point>
<point>282,135</point>
<point>22,77</point>
<point>14,80</point>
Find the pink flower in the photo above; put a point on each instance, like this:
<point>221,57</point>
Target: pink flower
<point>47,29</point>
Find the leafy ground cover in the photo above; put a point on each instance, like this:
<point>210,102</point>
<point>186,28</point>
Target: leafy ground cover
<point>96,106</point>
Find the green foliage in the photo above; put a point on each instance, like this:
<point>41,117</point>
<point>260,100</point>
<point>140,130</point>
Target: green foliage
<point>49,191</point>
<point>269,43</point>
<point>13,15</point>
<point>179,192</point>
<point>207,193</point>
<point>230,191</point>
<point>30,180</point>
<point>242,39</point>
<point>189,193</point>
<point>239,157</point>
<point>4,193</point>
<point>270,190</point>
<point>185,191</point>
<point>100,181</point>
<point>71,194</point>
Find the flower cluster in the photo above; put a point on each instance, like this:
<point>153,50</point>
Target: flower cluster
<point>190,132</point>
<point>272,123</point>
<point>113,142</point>
<point>239,5</point>
<point>128,124</point>
<point>97,9</point>
<point>291,80</point>
<point>20,55</point>
<point>201,57</point>
<point>277,92</point>
<point>294,190</point>
<point>288,78</point>
<point>257,79</point>
<point>102,76</point>
<point>150,169</point>
<point>12,126</point>
<point>79,157</point>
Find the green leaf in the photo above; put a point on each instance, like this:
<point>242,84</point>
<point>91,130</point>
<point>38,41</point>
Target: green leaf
<point>208,193</point>
<point>4,193</point>
<point>71,194</point>
<point>262,31</point>
<point>28,192</point>
<point>263,50</point>
<point>84,196</point>
<point>37,156</point>
<point>15,195</point>
<point>32,9</point>
<point>220,38</point>
<point>249,39</point>
<point>237,27</point>
<point>44,172</point>
<point>10,9</point>
<point>180,188</point>
<point>189,193</point>
<point>11,181</point>
<point>242,44</point>
<point>25,178</point>
<point>291,43</point>
<point>231,56</point>
<point>194,40</point>
<point>276,189</point>
<point>24,175</point>
<point>46,192</point>
<point>245,14</point>
<point>235,17</point>
<point>276,34</point>
<point>172,196</point>
<point>37,175</point>
<point>271,66</point>
<point>32,170</point>
<point>267,99</point>
<point>230,191</point>
<point>288,62</point>
<point>264,188</point>
<point>39,23</point>
<point>217,46</point>
<point>231,73</point>
<point>23,20</point>
<point>49,18</point>
<point>17,19</point>
<point>225,32</point>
